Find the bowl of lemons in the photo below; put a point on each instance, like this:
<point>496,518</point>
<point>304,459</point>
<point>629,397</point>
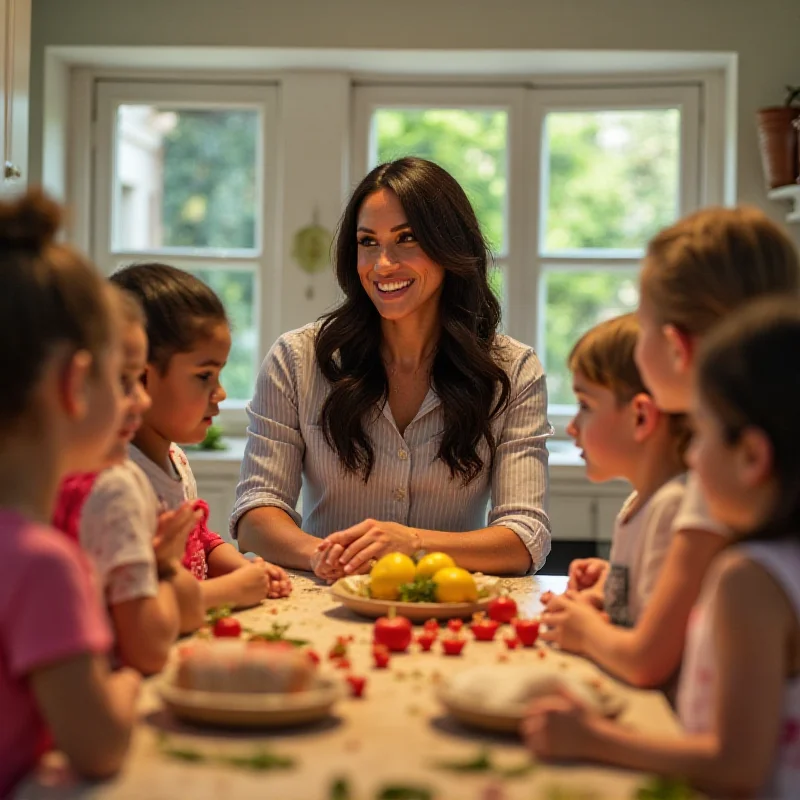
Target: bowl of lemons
<point>434,587</point>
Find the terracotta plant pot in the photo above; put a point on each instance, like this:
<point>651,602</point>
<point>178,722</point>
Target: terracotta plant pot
<point>777,138</point>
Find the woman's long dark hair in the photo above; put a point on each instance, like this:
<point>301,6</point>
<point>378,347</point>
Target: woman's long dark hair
<point>748,376</point>
<point>472,386</point>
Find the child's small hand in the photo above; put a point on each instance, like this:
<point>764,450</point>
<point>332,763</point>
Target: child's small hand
<point>558,727</point>
<point>585,573</point>
<point>566,620</point>
<point>173,530</point>
<point>250,584</point>
<point>280,585</point>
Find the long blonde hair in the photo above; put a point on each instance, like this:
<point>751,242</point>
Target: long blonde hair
<point>713,261</point>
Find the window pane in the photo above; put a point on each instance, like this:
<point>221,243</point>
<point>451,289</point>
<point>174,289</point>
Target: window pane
<point>470,144</point>
<point>185,178</point>
<point>236,289</point>
<point>572,302</point>
<point>611,177</point>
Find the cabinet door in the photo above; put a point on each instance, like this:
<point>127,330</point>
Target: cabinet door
<point>572,517</point>
<point>15,61</point>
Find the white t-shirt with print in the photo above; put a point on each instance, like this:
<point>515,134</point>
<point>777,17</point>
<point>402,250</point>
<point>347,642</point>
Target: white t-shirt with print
<point>172,490</point>
<point>117,524</point>
<point>640,543</point>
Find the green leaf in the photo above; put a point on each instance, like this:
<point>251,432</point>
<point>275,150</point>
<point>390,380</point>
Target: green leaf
<point>340,790</point>
<point>482,762</point>
<point>658,788</point>
<point>213,614</point>
<point>261,760</point>
<point>402,792</point>
<point>420,590</point>
<point>277,634</point>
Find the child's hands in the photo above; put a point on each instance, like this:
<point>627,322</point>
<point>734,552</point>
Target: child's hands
<point>567,620</point>
<point>558,727</point>
<point>173,530</point>
<point>250,584</point>
<point>584,573</point>
<point>280,585</point>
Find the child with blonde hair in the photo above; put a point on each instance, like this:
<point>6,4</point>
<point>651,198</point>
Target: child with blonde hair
<point>622,434</point>
<point>189,340</point>
<point>114,515</point>
<point>59,413</point>
<point>739,694</point>
<point>694,274</point>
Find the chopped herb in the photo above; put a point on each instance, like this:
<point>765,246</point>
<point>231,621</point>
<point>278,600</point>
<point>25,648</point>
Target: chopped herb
<point>340,790</point>
<point>213,614</point>
<point>420,590</point>
<point>261,760</point>
<point>277,634</point>
<point>401,792</point>
<point>482,762</point>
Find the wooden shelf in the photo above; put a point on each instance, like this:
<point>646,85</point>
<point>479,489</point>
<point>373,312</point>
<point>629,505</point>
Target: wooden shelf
<point>792,195</point>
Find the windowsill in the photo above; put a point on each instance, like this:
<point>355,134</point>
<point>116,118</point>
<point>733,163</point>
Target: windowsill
<point>563,453</point>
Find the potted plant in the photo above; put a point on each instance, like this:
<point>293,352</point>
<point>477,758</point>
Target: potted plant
<point>778,137</point>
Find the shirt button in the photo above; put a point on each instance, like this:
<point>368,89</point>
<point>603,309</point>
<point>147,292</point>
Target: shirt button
<point>400,494</point>
<point>402,454</point>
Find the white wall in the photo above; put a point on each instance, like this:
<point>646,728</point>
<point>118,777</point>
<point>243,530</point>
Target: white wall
<point>764,33</point>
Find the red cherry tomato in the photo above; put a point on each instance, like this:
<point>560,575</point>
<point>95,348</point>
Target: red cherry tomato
<point>342,663</point>
<point>431,625</point>
<point>380,654</point>
<point>455,625</point>
<point>227,627</point>
<point>357,685</point>
<point>511,642</point>
<point>453,647</point>
<point>394,632</point>
<point>484,630</point>
<point>426,639</point>
<point>502,609</point>
<point>527,631</point>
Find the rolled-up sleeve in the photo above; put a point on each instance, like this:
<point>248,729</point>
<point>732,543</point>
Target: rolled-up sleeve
<point>519,474</point>
<point>271,473</point>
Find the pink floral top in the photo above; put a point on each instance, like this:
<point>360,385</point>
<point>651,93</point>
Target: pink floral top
<point>696,693</point>
<point>173,491</point>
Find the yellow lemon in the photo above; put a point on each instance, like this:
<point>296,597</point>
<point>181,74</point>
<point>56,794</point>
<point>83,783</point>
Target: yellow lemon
<point>455,585</point>
<point>430,564</point>
<point>389,574</point>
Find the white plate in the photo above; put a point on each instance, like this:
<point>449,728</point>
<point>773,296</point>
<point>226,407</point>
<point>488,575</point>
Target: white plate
<point>347,592</point>
<point>484,712</point>
<point>242,710</point>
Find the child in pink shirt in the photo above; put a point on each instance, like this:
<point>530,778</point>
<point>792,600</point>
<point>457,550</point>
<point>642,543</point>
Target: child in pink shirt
<point>59,411</point>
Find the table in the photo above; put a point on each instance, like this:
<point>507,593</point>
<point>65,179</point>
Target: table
<point>391,736</point>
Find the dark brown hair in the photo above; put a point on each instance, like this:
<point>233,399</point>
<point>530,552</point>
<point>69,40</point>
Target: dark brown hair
<point>52,295</point>
<point>604,355</point>
<point>748,377</point>
<point>713,261</point>
<point>179,308</point>
<point>466,375</point>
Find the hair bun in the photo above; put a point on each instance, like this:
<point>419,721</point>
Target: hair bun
<point>29,222</point>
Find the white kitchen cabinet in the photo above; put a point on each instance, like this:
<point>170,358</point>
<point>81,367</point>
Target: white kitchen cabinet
<point>15,53</point>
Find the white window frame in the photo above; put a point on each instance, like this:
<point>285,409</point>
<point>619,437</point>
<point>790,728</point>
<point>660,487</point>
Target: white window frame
<point>261,260</point>
<point>701,178</point>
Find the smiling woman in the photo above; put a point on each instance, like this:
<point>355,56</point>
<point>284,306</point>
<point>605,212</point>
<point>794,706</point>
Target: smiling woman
<point>403,412</point>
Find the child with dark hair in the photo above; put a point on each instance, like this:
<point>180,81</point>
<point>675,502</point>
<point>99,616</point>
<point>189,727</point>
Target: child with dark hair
<point>114,515</point>
<point>188,344</point>
<point>59,413</point>
<point>739,695</point>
